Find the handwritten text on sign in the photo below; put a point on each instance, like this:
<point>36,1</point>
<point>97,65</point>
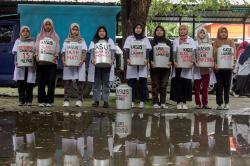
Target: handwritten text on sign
<point>161,51</point>
<point>122,94</point>
<point>185,54</point>
<point>102,50</point>
<point>205,54</point>
<point>25,53</point>
<point>47,46</point>
<point>73,52</point>
<point>138,50</point>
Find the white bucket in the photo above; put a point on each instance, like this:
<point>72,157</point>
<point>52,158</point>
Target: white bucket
<point>45,162</point>
<point>182,161</point>
<point>71,160</point>
<point>225,57</point>
<point>161,55</point>
<point>123,97</point>
<point>25,54</point>
<point>123,122</point>
<point>136,162</point>
<point>205,55</point>
<point>184,56</point>
<point>104,162</point>
<point>73,53</point>
<point>222,161</point>
<point>137,53</point>
<point>203,161</point>
<point>102,54</point>
<point>22,158</point>
<point>159,161</point>
<point>47,48</point>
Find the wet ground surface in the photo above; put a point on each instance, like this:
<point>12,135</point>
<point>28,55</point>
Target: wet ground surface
<point>124,138</point>
<point>109,137</point>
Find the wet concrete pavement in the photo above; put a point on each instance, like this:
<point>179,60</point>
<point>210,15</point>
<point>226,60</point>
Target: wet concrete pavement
<point>124,138</point>
<point>109,137</point>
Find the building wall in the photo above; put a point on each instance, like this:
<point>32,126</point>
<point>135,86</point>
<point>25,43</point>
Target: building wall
<point>235,30</point>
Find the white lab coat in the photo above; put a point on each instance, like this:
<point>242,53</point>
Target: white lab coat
<point>132,70</point>
<point>185,73</point>
<point>19,72</point>
<point>91,70</point>
<point>73,73</point>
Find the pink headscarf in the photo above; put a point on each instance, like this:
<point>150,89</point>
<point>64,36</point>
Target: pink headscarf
<point>52,34</point>
<point>241,48</point>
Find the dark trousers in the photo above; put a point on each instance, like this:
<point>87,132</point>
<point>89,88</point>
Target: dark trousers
<point>143,88</point>
<point>159,78</point>
<point>46,76</point>
<point>223,78</point>
<point>67,88</point>
<point>201,87</point>
<point>25,90</point>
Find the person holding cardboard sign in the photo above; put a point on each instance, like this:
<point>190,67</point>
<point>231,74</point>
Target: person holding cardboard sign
<point>25,70</point>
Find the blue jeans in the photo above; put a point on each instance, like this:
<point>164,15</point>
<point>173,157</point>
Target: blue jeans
<point>101,80</point>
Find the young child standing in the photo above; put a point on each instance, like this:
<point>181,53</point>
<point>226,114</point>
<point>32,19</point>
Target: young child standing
<point>223,76</point>
<point>181,82</point>
<point>202,75</point>
<point>47,70</point>
<point>74,47</point>
<point>100,76</point>
<point>24,49</point>
<point>136,72</point>
<point>159,76</point>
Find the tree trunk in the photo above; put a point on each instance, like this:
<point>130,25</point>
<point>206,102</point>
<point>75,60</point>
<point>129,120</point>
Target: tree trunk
<point>132,12</point>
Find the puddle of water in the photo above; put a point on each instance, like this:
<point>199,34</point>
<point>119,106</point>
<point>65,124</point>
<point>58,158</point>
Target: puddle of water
<point>123,139</point>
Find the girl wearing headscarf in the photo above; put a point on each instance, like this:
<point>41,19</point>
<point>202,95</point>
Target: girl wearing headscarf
<point>135,73</point>
<point>74,47</point>
<point>203,76</point>
<point>98,75</point>
<point>242,87</point>
<point>241,74</point>
<point>181,82</point>
<point>223,76</point>
<point>159,76</point>
<point>241,48</point>
<point>46,70</point>
<point>25,76</point>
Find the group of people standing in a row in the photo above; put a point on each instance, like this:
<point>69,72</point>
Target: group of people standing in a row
<point>181,78</point>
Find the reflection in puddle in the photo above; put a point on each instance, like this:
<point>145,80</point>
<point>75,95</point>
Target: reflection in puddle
<point>123,139</point>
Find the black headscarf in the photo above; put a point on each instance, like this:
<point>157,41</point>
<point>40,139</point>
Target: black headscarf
<point>245,55</point>
<point>141,35</point>
<point>97,37</point>
<point>158,39</point>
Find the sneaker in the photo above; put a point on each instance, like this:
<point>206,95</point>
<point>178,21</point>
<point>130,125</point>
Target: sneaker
<point>20,104</point>
<point>78,103</point>
<point>226,107</point>
<point>105,104</point>
<point>49,105</point>
<point>141,104</point>
<point>179,106</point>
<point>66,104</point>
<point>184,106</point>
<point>133,105</point>
<point>29,104</point>
<point>198,107</point>
<point>219,107</point>
<point>156,106</point>
<point>164,106</point>
<point>206,107</point>
<point>41,105</point>
<point>95,104</point>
